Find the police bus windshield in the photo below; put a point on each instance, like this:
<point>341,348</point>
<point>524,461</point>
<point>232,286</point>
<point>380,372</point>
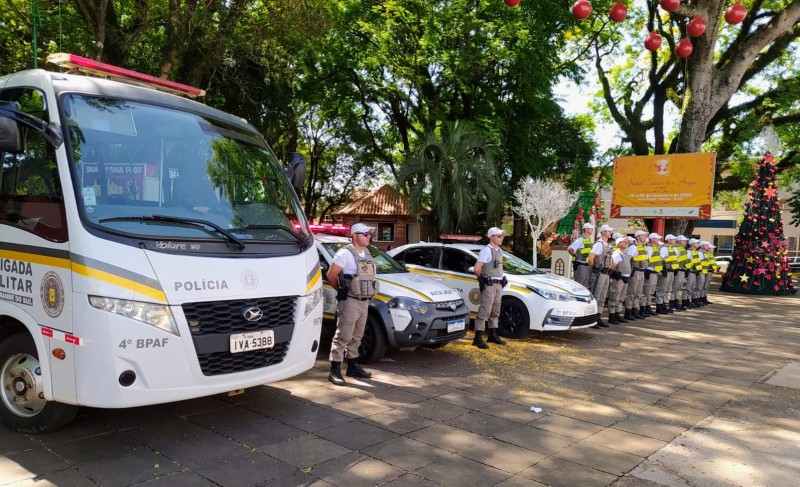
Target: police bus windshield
<point>133,161</point>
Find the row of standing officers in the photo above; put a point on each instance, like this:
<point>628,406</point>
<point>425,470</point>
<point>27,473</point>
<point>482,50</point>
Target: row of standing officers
<point>628,272</point>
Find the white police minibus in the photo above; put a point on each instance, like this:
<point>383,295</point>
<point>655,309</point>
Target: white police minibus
<point>151,248</point>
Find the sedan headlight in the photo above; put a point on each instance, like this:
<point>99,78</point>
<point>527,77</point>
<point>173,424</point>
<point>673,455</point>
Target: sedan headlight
<point>312,300</point>
<point>409,304</point>
<point>157,315</point>
<point>552,295</point>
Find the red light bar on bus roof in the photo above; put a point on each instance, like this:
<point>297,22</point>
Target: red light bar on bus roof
<point>102,69</point>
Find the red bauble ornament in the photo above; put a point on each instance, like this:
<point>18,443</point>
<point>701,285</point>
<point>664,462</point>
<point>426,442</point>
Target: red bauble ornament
<point>670,5</point>
<point>684,48</point>
<point>735,14</point>
<point>512,3</point>
<point>618,12</point>
<point>581,9</point>
<point>696,27</point>
<point>653,41</point>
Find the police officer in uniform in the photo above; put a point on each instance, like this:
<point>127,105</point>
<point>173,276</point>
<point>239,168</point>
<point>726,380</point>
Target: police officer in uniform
<point>638,254</point>
<point>489,269</point>
<point>702,273</point>
<point>693,270</point>
<point>620,275</point>
<point>651,273</point>
<point>666,274</point>
<point>352,275</point>
<point>579,250</point>
<point>682,259</point>
<point>600,263</point>
<point>711,264</point>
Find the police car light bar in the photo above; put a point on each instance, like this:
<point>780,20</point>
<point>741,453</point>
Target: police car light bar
<point>102,69</point>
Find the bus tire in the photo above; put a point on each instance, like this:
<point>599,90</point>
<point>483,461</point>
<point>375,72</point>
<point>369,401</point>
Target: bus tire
<point>373,343</point>
<point>514,321</point>
<point>21,407</point>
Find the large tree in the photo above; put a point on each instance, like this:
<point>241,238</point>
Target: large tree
<point>754,60</point>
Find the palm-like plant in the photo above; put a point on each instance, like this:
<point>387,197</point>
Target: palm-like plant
<point>454,173</point>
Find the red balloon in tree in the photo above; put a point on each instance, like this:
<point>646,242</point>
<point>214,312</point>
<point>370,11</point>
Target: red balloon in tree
<point>735,14</point>
<point>670,5</point>
<point>696,27</point>
<point>653,41</point>
<point>512,3</point>
<point>618,12</point>
<point>581,9</point>
<point>684,48</point>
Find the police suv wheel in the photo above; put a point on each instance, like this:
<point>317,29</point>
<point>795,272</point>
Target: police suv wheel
<point>514,321</point>
<point>23,406</point>
<point>373,343</point>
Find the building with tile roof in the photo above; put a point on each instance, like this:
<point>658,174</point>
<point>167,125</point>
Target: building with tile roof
<point>387,210</point>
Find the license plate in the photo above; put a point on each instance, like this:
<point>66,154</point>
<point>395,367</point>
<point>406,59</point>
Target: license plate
<point>257,340</point>
<point>456,325</point>
<point>590,310</point>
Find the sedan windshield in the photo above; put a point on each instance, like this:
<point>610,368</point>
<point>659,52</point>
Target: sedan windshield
<point>514,265</point>
<point>383,263</point>
<point>151,171</point>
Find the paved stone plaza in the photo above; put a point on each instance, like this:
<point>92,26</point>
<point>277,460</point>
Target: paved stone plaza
<point>703,398</point>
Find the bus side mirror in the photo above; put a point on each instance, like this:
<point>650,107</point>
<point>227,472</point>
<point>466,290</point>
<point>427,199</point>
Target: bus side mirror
<point>10,135</point>
<point>296,172</point>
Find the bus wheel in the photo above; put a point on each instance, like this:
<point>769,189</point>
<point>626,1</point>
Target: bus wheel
<point>24,407</point>
<point>514,321</point>
<point>373,343</point>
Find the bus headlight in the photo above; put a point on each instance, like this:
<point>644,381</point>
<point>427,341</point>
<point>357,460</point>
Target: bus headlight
<point>157,315</point>
<point>312,300</point>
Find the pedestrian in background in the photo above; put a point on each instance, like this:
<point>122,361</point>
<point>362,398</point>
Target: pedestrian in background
<point>492,280</point>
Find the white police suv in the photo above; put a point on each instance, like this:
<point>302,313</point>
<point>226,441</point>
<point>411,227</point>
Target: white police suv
<point>410,309</point>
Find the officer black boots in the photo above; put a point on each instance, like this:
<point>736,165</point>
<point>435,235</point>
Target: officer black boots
<point>336,374</point>
<point>478,340</point>
<point>612,319</point>
<point>494,337</point>
<point>354,369</point>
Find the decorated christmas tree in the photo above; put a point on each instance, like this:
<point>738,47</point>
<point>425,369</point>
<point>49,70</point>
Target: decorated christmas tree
<point>759,264</point>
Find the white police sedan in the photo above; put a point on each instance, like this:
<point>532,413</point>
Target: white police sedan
<point>533,300</point>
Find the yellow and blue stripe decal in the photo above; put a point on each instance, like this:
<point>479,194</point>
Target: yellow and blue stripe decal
<point>408,289</point>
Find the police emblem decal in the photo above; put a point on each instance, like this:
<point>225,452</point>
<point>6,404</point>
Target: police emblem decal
<point>51,293</point>
<point>249,279</point>
<point>475,296</point>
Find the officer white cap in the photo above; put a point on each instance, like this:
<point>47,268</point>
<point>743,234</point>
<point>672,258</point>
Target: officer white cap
<point>495,231</point>
<point>703,243</point>
<point>654,235</point>
<point>693,241</point>
<point>361,228</point>
<point>617,235</point>
<point>606,228</point>
<point>630,239</point>
<point>588,225</point>
<point>670,237</point>
<point>682,238</point>
<point>639,232</point>
<point>711,246</point>
<point>619,240</point>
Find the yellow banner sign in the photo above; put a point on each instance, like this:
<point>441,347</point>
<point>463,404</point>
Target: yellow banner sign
<point>663,186</point>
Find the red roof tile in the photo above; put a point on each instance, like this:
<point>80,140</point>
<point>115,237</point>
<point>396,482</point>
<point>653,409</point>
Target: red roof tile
<point>383,201</point>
